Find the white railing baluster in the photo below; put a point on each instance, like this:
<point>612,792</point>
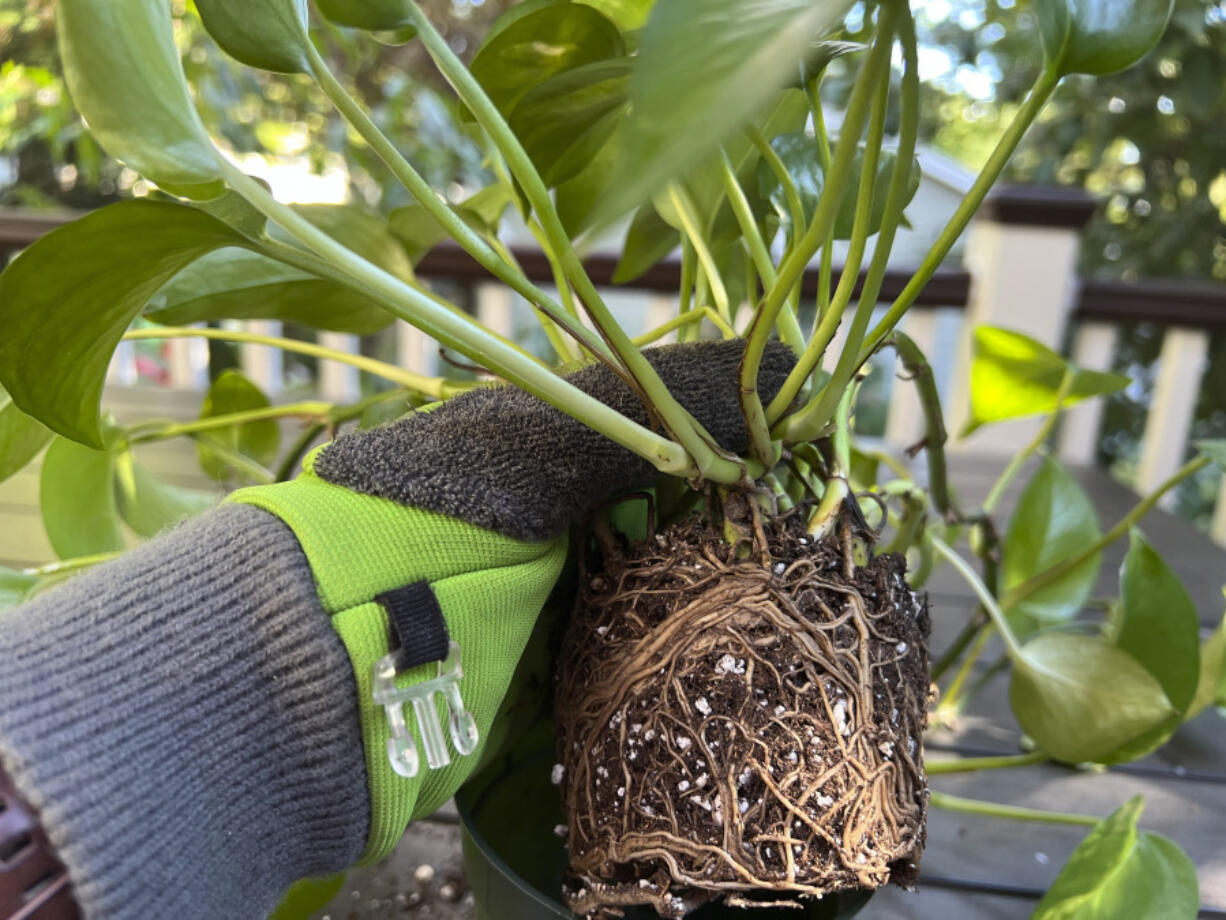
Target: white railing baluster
<point>1094,349</point>
<point>338,382</point>
<point>1176,388</point>
<point>188,361</point>
<point>416,351</point>
<point>263,365</point>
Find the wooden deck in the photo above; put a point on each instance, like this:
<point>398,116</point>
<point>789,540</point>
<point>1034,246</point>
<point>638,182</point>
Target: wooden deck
<point>975,868</point>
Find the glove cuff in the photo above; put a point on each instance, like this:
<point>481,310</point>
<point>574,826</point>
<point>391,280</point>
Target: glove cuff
<point>360,547</point>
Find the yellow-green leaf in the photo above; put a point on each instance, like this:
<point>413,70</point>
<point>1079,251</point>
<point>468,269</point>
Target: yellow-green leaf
<point>77,499</point>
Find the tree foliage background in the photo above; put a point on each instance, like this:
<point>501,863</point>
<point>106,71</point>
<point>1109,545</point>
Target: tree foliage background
<point>1162,180</point>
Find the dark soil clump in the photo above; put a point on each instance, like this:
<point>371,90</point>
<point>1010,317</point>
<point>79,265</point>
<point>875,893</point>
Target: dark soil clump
<point>742,729</point>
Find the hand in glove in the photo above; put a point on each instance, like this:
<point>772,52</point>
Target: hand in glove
<point>196,724</point>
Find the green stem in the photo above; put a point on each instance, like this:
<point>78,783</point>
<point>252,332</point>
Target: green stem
<point>684,319</point>
<point>968,574</point>
<point>1015,812</point>
<point>876,64</point>
<point>826,271</point>
<point>461,332</point>
<point>972,764</point>
<point>470,241</point>
<point>837,488</point>
<point>289,463</point>
<point>671,413</point>
<point>832,316</point>
<point>916,364</point>
<point>776,165</point>
<point>213,422</point>
<point>950,699</point>
<point>689,221</point>
<point>987,177</point>
<point>958,646</point>
<point>815,415</point>
<point>436,387</point>
<point>71,565</point>
<point>1142,508</point>
<point>239,461</point>
<point>1019,459</point>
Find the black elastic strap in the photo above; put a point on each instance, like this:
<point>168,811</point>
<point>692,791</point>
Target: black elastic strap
<point>417,623</point>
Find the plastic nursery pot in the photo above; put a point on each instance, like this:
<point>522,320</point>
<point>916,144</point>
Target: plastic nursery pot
<point>515,861</point>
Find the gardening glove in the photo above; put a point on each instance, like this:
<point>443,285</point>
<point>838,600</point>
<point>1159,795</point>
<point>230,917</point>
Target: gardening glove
<point>197,723</point>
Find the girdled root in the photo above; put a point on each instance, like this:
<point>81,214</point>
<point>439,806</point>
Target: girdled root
<point>735,729</point>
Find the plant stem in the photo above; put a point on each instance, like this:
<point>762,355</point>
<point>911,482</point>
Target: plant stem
<point>689,221</point>
<point>837,488</point>
<point>239,461</point>
<point>916,364</point>
<point>1144,506</point>
<point>1015,812</point>
<point>289,463</point>
<point>451,328</point>
<point>684,319</point>
<point>971,764</point>
<point>826,272</point>
<point>643,377</point>
<point>958,646</point>
<point>950,699</point>
<point>1019,459</point>
<point>821,227</point>
<point>991,171</point>
<point>456,228</point>
<point>791,195</point>
<point>70,565</point>
<point>985,596</point>
<point>213,422</point>
<point>815,415</point>
<point>436,387</point>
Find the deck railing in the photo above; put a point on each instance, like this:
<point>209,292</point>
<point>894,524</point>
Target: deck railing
<point>1019,272</point>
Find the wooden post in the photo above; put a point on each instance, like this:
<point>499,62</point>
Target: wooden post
<point>1176,389</point>
<point>1094,349</point>
<point>1022,255</point>
<point>338,382</point>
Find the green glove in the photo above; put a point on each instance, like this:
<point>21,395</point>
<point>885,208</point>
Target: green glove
<point>446,531</point>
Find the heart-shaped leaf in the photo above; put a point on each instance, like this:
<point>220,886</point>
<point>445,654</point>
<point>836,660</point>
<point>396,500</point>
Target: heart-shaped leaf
<point>147,504</point>
<point>269,34</point>
<point>798,152</point>
<point>1013,376</point>
<point>372,15</point>
<point>565,121</point>
<point>627,15</point>
<point>1053,520</point>
<point>1081,698</point>
<point>232,392</point>
<point>1211,687</point>
<point>534,41</point>
<point>124,75</point>
<point>1119,872</point>
<point>77,499</point>
<point>1099,37</point>
<point>15,587</point>
<point>21,437</point>
<point>364,233</point>
<point>67,299</point>
<point>578,197</point>
<point>418,232</point>
<point>239,284</point>
<point>704,68</point>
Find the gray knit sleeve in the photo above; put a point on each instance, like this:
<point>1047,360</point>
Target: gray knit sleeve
<point>184,720</point>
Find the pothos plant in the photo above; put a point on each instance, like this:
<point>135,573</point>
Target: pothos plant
<point>773,641</point>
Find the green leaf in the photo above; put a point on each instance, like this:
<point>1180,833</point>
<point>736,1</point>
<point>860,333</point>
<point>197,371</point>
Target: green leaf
<point>820,56</point>
<point>578,197</point>
<point>364,233</point>
<point>1100,37</point>
<point>627,15</point>
<point>15,587</point>
<point>1159,626</point>
<point>269,34</point>
<point>21,437</point>
<point>372,15</point>
<point>147,504</point>
<point>798,152</point>
<point>534,41</point>
<point>78,501</point>
<point>704,68</point>
<point>1121,873</point>
<point>1215,450</point>
<point>1081,698</point>
<point>1211,687</point>
<point>1013,376</point>
<point>232,392</point>
<point>1053,520</point>
<point>418,231</point>
<point>307,897</point>
<point>565,121</point>
<point>124,75</point>
<point>648,240</point>
<point>67,299</point>
<point>239,284</point>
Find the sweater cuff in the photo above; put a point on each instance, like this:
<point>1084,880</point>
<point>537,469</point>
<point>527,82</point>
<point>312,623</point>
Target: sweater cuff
<point>184,721</point>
